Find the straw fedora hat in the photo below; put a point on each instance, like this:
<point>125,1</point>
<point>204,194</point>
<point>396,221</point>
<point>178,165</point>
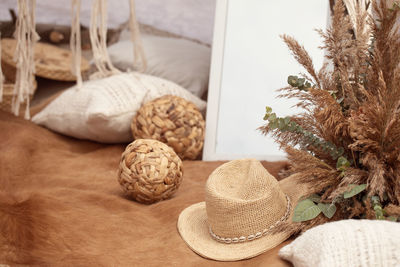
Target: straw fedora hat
<point>243,202</point>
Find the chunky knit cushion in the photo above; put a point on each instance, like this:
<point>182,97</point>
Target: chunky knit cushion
<point>102,110</point>
<point>347,243</point>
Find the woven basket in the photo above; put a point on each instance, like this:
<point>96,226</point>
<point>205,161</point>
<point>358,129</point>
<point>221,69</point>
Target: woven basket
<point>6,104</point>
<point>174,121</point>
<point>51,62</point>
<point>149,171</point>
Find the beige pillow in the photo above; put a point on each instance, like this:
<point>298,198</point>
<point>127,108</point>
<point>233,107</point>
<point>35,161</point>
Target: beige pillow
<point>102,110</point>
<point>346,243</point>
<point>181,61</point>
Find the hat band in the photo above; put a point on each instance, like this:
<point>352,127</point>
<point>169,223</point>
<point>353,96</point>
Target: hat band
<point>251,237</point>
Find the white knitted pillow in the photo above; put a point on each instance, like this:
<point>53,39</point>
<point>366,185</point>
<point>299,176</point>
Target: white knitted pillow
<point>347,243</point>
<point>102,110</point>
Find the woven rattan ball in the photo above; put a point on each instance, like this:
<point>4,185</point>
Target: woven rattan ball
<point>149,171</point>
<point>174,121</point>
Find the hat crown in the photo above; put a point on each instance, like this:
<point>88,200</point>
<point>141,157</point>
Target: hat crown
<point>242,199</point>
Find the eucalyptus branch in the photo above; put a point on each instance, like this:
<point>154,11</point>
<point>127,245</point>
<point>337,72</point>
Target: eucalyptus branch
<point>299,83</point>
<point>377,206</point>
<point>287,125</point>
<point>303,85</point>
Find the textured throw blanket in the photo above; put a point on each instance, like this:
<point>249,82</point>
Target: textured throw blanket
<point>61,205</point>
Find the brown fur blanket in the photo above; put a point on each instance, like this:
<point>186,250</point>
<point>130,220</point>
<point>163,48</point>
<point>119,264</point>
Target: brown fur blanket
<point>61,205</point>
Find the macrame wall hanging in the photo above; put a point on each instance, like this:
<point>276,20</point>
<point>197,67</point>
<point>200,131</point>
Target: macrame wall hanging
<point>98,39</point>
<point>75,41</point>
<point>26,37</point>
<point>140,62</point>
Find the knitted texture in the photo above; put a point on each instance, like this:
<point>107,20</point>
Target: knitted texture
<point>243,203</point>
<point>249,192</point>
<point>158,87</point>
<point>102,110</point>
<point>364,243</point>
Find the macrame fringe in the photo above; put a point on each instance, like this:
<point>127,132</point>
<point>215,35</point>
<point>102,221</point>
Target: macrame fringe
<point>138,51</point>
<point>98,39</point>
<point>75,41</point>
<point>26,37</point>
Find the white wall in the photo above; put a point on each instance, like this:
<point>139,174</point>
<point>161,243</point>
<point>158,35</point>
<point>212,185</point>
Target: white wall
<point>190,18</point>
<point>58,12</point>
<point>256,62</point>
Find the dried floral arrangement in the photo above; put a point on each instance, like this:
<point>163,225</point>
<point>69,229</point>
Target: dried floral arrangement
<point>346,143</point>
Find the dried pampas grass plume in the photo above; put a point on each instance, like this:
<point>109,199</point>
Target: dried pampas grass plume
<point>346,143</point>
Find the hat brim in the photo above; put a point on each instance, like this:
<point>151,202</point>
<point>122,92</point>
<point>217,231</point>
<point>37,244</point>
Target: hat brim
<point>193,228</point>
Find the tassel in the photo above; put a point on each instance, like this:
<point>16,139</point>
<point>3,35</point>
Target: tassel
<point>75,41</point>
<point>98,39</point>
<point>26,37</point>
<point>138,51</point>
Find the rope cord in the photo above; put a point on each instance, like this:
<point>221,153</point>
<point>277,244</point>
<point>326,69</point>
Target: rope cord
<point>75,41</point>
<point>26,37</point>
<point>98,39</point>
<point>138,51</point>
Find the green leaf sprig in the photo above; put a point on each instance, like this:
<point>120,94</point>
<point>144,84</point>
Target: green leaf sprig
<point>341,165</point>
<point>305,210</point>
<point>311,207</point>
<point>328,209</point>
<point>286,124</point>
<point>299,83</point>
<point>355,189</point>
<point>380,213</point>
<point>377,206</point>
<point>303,85</point>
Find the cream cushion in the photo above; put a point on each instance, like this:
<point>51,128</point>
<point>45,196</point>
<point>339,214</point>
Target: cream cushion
<point>178,60</point>
<point>346,243</point>
<point>102,110</point>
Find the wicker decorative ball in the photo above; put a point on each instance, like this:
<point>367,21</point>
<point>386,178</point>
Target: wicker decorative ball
<point>149,171</point>
<point>173,121</point>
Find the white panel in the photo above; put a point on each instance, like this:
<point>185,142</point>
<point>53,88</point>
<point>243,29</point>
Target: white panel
<point>256,62</point>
